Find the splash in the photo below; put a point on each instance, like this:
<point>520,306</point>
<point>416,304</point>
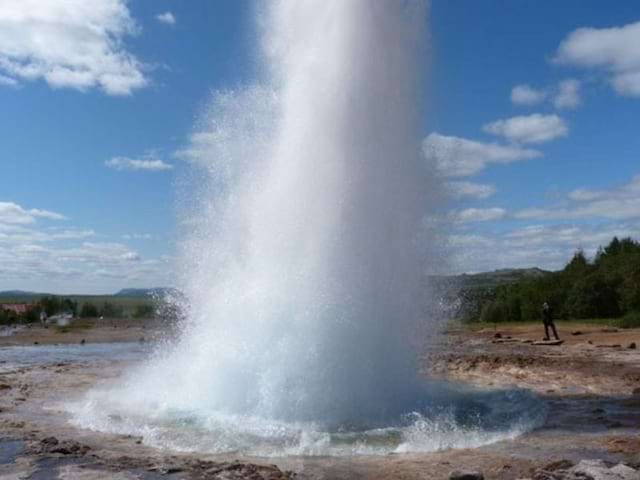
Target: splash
<point>306,256</point>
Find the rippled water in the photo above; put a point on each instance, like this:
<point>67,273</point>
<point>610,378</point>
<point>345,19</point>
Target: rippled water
<point>47,354</point>
<point>450,416</point>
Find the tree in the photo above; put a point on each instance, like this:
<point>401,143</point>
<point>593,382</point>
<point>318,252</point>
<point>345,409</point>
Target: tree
<point>144,311</point>
<point>111,310</point>
<point>89,310</point>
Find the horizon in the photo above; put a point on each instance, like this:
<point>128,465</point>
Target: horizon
<point>529,121</point>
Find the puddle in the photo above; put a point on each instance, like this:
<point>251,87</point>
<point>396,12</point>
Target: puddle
<point>10,450</point>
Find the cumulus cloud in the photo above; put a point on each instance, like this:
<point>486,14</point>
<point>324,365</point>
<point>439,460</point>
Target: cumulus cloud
<point>526,95</point>
<point>35,256</point>
<point>619,203</point>
<point>13,213</point>
<point>535,128</point>
<point>460,157</point>
<point>70,44</point>
<point>132,164</point>
<point>167,18</point>
<point>469,215</point>
<point>544,246</point>
<point>568,94</point>
<point>616,49</point>
<point>137,236</point>
<point>8,81</point>
<point>470,189</point>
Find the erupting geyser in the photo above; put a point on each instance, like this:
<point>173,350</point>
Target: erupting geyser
<point>306,261</point>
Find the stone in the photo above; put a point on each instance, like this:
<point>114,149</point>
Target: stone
<point>632,346</point>
<point>466,475</point>
<point>559,465</point>
<point>49,441</point>
<point>598,470</point>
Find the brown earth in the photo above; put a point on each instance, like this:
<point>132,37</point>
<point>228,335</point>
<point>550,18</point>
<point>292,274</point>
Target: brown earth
<point>588,384</point>
<point>91,331</point>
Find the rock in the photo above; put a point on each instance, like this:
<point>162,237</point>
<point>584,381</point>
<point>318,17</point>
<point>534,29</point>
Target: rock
<point>625,472</point>
<point>465,475</point>
<point>636,392</point>
<point>497,335</point>
<point>577,332</point>
<point>49,442</point>
<point>83,341</point>
<point>70,447</point>
<point>615,345</point>
<point>36,343</point>
<point>598,470</point>
<point>5,386</point>
<point>632,346</point>
<point>559,465</point>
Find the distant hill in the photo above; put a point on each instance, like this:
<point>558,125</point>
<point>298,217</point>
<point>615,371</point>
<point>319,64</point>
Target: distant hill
<point>499,277</point>
<point>18,293</point>
<point>144,292</point>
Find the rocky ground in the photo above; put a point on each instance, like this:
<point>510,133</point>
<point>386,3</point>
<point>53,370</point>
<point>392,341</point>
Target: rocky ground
<point>96,331</point>
<point>592,430</point>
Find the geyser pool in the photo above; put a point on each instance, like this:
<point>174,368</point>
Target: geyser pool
<point>306,257</point>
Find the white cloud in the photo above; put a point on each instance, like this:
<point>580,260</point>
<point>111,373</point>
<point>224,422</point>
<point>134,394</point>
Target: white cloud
<point>545,246</point>
<point>615,49</point>
<point>50,261</point>
<point>13,213</point>
<point>459,157</point>
<point>525,95</point>
<point>147,164</point>
<point>137,236</point>
<point>167,18</point>
<point>8,81</point>
<point>619,203</point>
<point>535,128</point>
<point>568,94</point>
<point>470,189</point>
<point>70,43</point>
<point>469,215</point>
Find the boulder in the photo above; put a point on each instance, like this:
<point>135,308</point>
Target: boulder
<point>598,470</point>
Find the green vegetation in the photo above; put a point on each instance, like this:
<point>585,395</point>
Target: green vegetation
<point>607,287</point>
<point>81,306</point>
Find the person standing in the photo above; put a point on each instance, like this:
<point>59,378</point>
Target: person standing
<point>547,319</point>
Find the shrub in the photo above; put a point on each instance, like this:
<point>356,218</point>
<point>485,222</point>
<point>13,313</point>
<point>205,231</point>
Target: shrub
<point>89,310</point>
<point>630,320</point>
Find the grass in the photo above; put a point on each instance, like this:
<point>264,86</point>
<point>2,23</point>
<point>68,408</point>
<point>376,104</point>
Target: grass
<point>631,320</point>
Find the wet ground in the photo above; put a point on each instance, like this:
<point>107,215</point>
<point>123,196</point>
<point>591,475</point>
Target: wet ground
<point>588,384</point>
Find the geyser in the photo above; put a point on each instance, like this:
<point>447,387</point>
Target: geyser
<point>306,256</point>
<point>306,276</point>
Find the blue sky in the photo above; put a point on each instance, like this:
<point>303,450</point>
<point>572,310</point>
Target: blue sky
<point>532,118</point>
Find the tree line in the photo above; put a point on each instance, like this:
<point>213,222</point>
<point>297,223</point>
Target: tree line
<point>55,305</point>
<point>608,286</point>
